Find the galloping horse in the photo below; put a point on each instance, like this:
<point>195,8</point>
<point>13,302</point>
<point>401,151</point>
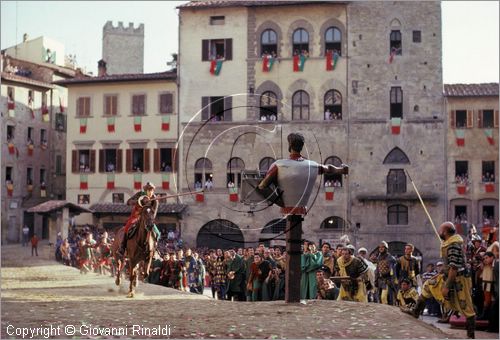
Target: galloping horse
<point>140,249</point>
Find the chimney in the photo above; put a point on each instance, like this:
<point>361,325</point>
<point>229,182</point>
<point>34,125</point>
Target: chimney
<point>101,68</point>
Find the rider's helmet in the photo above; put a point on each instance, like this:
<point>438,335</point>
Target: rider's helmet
<point>148,186</point>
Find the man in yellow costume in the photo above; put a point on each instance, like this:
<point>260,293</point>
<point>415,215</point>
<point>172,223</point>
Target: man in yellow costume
<point>452,288</point>
<point>352,288</point>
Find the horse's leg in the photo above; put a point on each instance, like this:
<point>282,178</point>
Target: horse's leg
<point>118,272</point>
<point>133,276</point>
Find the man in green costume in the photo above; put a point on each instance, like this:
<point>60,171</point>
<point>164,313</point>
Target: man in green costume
<point>236,276</point>
<point>311,261</point>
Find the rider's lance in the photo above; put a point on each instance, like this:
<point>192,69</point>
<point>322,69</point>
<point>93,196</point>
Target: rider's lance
<point>423,205</point>
<point>171,196</point>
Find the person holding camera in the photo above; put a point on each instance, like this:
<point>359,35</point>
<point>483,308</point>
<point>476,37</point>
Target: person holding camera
<point>311,261</point>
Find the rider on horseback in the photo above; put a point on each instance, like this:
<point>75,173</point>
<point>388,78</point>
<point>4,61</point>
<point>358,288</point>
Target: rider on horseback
<point>140,200</point>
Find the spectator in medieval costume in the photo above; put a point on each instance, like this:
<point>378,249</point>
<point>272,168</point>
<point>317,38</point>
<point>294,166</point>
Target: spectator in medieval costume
<point>311,261</point>
<point>384,275</point>
<point>248,265</point>
<point>201,273</point>
<point>487,284</point>
<point>65,252</point>
<point>104,255</point>
<point>326,288</point>
<point>352,285</point>
<point>141,199</point>
<point>236,277</point>
<point>328,259</point>
<point>219,279</point>
<point>370,275</point>
<point>180,271</point>
<point>408,266</point>
<point>432,306</point>
<point>256,283</point>
<point>166,272</point>
<point>156,264</point>
<point>191,268</point>
<point>276,283</point>
<point>407,295</point>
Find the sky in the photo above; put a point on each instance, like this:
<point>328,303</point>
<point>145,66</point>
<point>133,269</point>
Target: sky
<point>470,32</point>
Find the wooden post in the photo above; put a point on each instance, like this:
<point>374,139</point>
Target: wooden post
<point>293,248</point>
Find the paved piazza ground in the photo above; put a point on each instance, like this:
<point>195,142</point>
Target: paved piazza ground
<point>40,293</point>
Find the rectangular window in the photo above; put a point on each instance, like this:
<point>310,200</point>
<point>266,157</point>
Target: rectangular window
<point>83,199</point>
<point>59,167</point>
<point>43,173</point>
<point>461,169</point>
<point>83,106</point>
<point>118,198</point>
<point>43,137</point>
<point>217,20</point>
<point>395,43</point>
<point>488,120</point>
<point>31,97</point>
<point>108,160</point>
<point>44,99</point>
<point>110,105</point>
<point>488,214</point>
<point>166,103</point>
<point>10,133</point>
<point>137,160</point>
<point>216,49</point>
<point>397,215</point>
<point>217,108</point>
<point>461,118</point>
<point>10,93</point>
<point>31,134</point>
<point>417,36</point>
<point>460,214</point>
<point>83,161</point>
<point>488,171</point>
<point>139,105</point>
<point>396,102</point>
<point>396,181</point>
<point>29,176</point>
<point>60,123</point>
<point>8,173</point>
<point>166,156</point>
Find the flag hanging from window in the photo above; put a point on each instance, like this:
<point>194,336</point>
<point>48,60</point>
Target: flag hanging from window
<point>31,147</point>
<point>165,181</point>
<point>111,124</point>
<point>110,184</point>
<point>299,62</point>
<point>12,148</point>
<point>83,125</point>
<point>84,184</point>
<point>392,54</point>
<point>137,181</point>
<point>165,123</point>
<point>460,137</point>
<point>137,124</point>
<point>233,194</point>
<point>11,106</point>
<point>215,66</point>
<point>329,193</point>
<point>29,187</point>
<point>461,189</point>
<point>395,125</point>
<point>489,187</point>
<point>331,60</point>
<point>296,61</point>
<point>45,113</point>
<point>489,136</point>
<point>200,197</point>
<point>267,63</point>
<point>10,188</point>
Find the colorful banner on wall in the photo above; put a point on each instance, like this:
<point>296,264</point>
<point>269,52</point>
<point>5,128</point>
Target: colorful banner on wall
<point>460,137</point>
<point>461,189</point>
<point>165,181</point>
<point>11,107</point>
<point>31,147</point>
<point>45,114</point>
<point>395,125</point>
<point>84,184</point>
<point>233,194</point>
<point>12,148</point>
<point>10,188</point>
<point>331,60</point>
<point>83,125</point>
<point>111,124</point>
<point>110,183</point>
<point>489,187</point>
<point>137,181</point>
<point>329,193</point>
<point>215,67</point>
<point>489,136</point>
<point>165,123</point>
<point>298,62</point>
<point>43,191</point>
<point>137,124</point>
<point>267,63</point>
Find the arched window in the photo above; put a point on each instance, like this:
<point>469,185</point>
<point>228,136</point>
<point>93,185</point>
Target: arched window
<point>396,181</point>
<point>219,233</point>
<point>333,222</point>
<point>333,105</point>
<point>396,156</point>
<point>275,226</point>
<point>265,164</point>
<point>397,214</point>
<point>234,168</point>
<point>300,105</point>
<point>268,106</point>
<point>333,180</point>
<point>269,42</point>
<point>300,41</point>
<point>396,102</point>
<point>396,46</point>
<point>333,40</point>
<point>203,176</point>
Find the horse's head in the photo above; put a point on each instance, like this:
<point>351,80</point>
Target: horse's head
<point>147,215</point>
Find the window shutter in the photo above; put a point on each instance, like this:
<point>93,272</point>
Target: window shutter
<point>74,161</point>
<point>128,160</point>
<point>107,110</point>
<point>169,107</point>
<point>205,109</point>
<point>146,160</point>
<point>142,104</point>
<point>453,114</point>
<point>102,165</point>
<point>156,160</point>
<point>92,160</point>
<point>228,108</point>
<point>134,105</point>
<point>204,49</point>
<point>119,160</point>
<point>495,118</point>
<point>87,106</point>
<point>79,106</point>
<point>479,118</point>
<point>470,119</point>
<point>228,49</point>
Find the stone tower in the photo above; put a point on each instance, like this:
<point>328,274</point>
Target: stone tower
<point>123,48</point>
